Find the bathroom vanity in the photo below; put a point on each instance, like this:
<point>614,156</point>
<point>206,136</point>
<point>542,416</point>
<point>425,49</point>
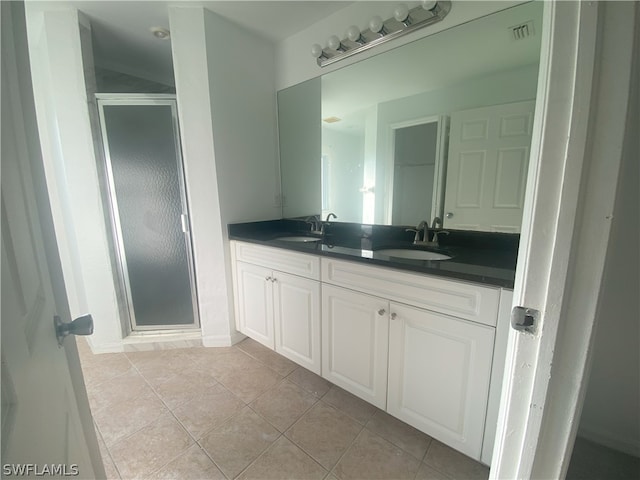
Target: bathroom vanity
<point>422,339</point>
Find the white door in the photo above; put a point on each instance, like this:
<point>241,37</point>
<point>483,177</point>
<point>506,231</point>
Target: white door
<point>439,372</point>
<point>297,319</point>
<point>487,169</point>
<point>46,422</point>
<point>255,302</point>
<point>355,342</point>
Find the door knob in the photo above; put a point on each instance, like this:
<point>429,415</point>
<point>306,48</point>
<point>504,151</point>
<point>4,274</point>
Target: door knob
<point>80,326</point>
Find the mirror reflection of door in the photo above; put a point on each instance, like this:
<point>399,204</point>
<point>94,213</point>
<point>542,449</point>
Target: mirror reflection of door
<point>417,165</point>
<point>487,167</point>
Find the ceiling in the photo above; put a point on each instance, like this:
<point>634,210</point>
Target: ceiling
<point>123,42</point>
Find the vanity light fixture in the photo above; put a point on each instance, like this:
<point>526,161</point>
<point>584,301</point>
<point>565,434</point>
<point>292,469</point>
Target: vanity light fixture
<point>404,21</point>
<point>354,35</point>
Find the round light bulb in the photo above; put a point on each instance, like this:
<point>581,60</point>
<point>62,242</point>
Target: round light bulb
<point>353,33</point>
<point>333,42</point>
<point>401,12</point>
<point>376,24</point>
<point>429,4</point>
<point>316,50</point>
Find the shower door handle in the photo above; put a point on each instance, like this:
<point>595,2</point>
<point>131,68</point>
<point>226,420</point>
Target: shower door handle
<point>184,220</point>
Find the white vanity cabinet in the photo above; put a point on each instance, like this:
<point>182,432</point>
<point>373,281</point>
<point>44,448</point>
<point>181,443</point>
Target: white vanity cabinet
<point>439,372</point>
<point>428,350</point>
<point>254,302</point>
<point>277,301</point>
<point>355,339</point>
<point>439,346</point>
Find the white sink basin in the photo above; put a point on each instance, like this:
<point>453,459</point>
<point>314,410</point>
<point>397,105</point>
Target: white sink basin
<point>299,238</point>
<point>413,254</point>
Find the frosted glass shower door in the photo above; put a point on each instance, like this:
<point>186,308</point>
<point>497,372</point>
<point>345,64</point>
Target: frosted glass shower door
<point>149,210</point>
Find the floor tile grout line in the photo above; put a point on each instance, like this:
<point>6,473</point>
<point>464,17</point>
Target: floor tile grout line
<point>84,366</point>
<point>346,450</point>
<point>431,443</point>
<point>330,470</point>
<point>259,455</point>
<point>108,447</point>
<point>421,459</point>
<point>219,467</point>
<point>142,428</point>
<point>113,462</point>
<point>273,388</point>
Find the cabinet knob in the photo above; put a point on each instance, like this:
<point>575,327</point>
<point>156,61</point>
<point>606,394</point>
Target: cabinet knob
<point>269,279</point>
<point>394,316</point>
<point>382,311</point>
<point>449,215</point>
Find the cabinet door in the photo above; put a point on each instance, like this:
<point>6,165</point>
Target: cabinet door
<point>255,302</point>
<point>355,336</point>
<point>297,319</point>
<point>439,371</point>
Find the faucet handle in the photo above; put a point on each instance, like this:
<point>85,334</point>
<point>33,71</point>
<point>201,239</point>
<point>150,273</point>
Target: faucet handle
<point>416,238</point>
<point>438,232</point>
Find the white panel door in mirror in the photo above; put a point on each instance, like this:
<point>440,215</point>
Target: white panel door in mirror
<point>486,175</point>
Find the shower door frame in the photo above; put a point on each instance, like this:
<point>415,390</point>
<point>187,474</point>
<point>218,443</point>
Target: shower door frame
<point>133,99</point>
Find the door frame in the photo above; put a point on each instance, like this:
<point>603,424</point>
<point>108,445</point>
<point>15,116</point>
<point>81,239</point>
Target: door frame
<point>579,133</point>
<point>103,99</point>
<point>440,168</point>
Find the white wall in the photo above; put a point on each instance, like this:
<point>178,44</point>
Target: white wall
<point>72,175</point>
<point>226,102</point>
<point>345,153</point>
<point>294,60</point>
<point>611,411</point>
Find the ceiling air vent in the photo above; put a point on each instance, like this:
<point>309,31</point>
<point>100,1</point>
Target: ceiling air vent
<point>522,30</point>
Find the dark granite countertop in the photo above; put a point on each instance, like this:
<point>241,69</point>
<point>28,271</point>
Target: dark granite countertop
<point>486,258</point>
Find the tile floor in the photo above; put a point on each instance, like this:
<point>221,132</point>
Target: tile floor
<point>246,412</point>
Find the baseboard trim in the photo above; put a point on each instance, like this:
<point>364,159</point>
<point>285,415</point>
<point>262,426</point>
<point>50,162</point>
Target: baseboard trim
<point>107,347</point>
<point>222,340</point>
<point>625,445</point>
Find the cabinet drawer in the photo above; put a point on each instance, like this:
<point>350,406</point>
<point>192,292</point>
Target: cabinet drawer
<point>278,259</point>
<point>464,300</point>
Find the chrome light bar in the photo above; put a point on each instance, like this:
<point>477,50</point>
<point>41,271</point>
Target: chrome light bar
<point>403,22</point>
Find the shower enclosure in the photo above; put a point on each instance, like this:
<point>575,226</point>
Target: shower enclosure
<point>149,210</point>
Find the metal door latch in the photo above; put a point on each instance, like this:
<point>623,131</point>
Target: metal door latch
<point>525,319</point>
<point>80,326</point>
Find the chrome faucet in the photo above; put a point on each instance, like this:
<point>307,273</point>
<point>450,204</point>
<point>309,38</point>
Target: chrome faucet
<point>423,227</point>
<point>314,221</point>
<point>326,222</point>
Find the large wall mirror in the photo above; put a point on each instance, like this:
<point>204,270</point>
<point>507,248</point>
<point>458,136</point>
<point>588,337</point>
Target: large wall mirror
<point>440,127</point>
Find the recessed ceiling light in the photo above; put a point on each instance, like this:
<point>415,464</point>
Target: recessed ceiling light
<point>160,32</point>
